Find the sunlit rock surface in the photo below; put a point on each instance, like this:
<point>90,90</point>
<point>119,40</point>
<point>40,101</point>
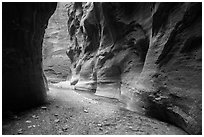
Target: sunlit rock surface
<point>56,65</point>
<point>149,55</point>
<point>23,80</point>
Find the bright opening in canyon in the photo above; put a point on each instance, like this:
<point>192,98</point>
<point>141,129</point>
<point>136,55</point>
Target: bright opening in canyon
<point>56,64</point>
<point>102,68</point>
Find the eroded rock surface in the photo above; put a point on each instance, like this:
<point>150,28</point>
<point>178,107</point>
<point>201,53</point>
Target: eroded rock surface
<point>56,65</point>
<point>148,55</point>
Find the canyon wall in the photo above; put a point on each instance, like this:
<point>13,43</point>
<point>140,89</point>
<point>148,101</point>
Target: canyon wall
<point>56,65</point>
<point>148,55</point>
<point>24,84</point>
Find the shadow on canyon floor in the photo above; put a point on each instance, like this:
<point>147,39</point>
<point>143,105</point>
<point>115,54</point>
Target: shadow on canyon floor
<point>75,112</point>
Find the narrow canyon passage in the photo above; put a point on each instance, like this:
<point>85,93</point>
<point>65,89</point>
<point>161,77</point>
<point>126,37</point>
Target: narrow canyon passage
<point>68,112</point>
<point>102,68</point>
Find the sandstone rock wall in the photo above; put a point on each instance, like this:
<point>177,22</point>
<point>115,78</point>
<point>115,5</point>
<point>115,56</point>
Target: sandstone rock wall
<point>56,65</point>
<point>146,54</point>
<point>173,68</point>
<point>23,30</point>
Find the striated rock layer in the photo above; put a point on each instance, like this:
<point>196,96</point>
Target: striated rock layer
<point>148,55</point>
<point>24,84</point>
<point>56,65</point>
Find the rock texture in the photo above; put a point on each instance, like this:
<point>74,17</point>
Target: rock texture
<point>23,24</point>
<point>56,65</point>
<point>146,54</point>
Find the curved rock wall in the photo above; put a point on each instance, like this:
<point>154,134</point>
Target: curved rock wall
<point>146,54</point>
<point>172,74</point>
<point>108,44</point>
<point>23,30</point>
<point>56,65</point>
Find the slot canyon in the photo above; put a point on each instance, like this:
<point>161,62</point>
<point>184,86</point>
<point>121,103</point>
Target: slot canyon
<point>102,68</point>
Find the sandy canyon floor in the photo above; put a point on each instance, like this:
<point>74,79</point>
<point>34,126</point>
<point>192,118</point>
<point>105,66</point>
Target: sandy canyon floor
<point>81,113</point>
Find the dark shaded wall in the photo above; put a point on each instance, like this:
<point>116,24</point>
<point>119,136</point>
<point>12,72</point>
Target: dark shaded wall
<point>23,27</point>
